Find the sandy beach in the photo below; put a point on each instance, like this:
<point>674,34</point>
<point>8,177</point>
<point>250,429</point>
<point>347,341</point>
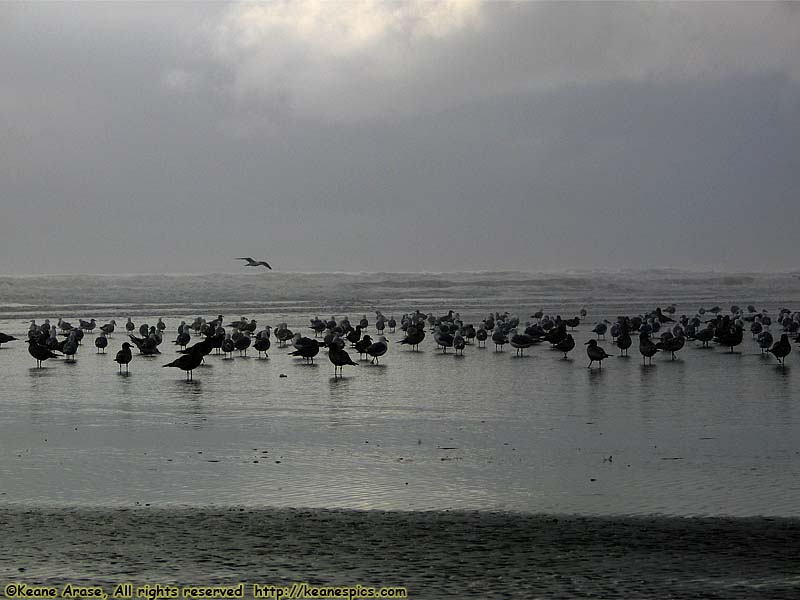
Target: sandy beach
<point>433,554</point>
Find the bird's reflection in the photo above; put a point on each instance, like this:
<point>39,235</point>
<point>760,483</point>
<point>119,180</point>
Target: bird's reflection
<point>339,388</point>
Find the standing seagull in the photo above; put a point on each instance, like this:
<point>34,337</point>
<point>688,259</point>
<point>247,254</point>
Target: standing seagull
<point>40,353</point>
<point>124,356</point>
<point>672,344</point>
<point>378,349</point>
<point>624,340</point>
<point>70,346</point>
<point>305,347</point>
<point>188,362</point>
<point>565,345</point>
<point>413,338</point>
<point>339,357</point>
<point>101,342</point>
<point>781,349</point>
<point>520,341</point>
<point>254,263</point>
<point>262,344</point>
<point>646,347</point>
<point>595,353</point>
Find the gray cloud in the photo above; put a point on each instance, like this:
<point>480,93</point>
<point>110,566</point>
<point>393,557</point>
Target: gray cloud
<point>376,59</point>
<point>370,136</point>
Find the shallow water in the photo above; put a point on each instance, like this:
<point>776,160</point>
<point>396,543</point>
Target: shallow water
<point>712,433</point>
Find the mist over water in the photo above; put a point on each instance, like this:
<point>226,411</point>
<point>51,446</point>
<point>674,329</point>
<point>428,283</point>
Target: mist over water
<point>627,291</point>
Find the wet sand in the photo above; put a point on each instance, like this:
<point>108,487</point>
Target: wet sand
<point>433,554</point>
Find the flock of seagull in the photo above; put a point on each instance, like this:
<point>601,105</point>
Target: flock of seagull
<point>658,331</point>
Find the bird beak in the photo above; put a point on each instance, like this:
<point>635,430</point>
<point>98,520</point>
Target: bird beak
<point>586,343</point>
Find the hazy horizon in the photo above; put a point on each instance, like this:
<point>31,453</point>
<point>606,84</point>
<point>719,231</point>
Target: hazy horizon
<point>566,272</point>
<point>408,137</point>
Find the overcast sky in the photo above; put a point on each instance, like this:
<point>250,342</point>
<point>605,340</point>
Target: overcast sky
<point>327,136</point>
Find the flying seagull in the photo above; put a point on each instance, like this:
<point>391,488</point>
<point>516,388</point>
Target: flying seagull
<point>255,263</point>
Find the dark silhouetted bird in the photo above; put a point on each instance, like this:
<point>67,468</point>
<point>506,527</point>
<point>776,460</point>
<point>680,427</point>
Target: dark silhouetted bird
<point>565,345</point>
<point>378,349</point>
<point>595,353</point>
<point>4,339</point>
<point>101,342</point>
<point>124,356</point>
<point>188,363</point>
<point>781,349</point>
<point>672,344</point>
<point>646,347</point>
<point>305,348</point>
<point>40,353</point>
<point>413,337</point>
<point>339,357</point>
<point>254,263</point>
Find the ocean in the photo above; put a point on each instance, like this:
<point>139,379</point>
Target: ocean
<point>711,435</point>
